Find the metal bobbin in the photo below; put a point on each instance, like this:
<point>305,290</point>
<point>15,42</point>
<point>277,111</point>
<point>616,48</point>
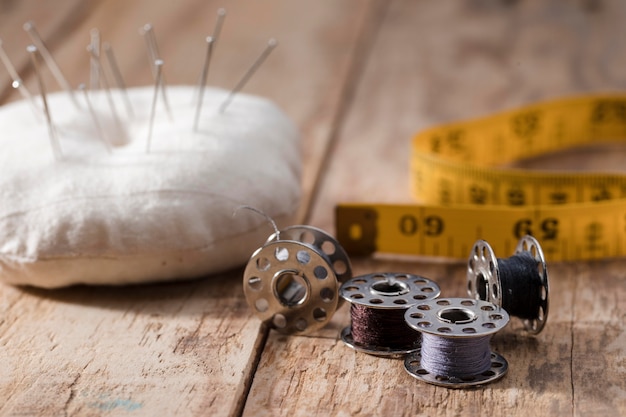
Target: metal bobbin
<point>485,280</point>
<point>456,319</point>
<point>292,281</point>
<point>385,291</point>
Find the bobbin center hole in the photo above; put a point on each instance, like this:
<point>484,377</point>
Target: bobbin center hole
<point>290,288</point>
<point>457,315</point>
<point>390,288</point>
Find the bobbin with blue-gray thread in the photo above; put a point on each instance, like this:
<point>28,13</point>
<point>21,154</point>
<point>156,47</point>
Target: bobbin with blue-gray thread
<point>292,281</point>
<point>385,295</point>
<point>518,284</point>
<point>448,326</point>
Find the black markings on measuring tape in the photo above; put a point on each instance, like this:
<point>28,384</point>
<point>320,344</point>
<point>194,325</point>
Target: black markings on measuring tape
<point>516,196</point>
<point>527,124</point>
<point>558,197</point>
<point>451,141</point>
<point>601,193</point>
<point>548,228</point>
<point>478,195</point>
<point>409,225</point>
<point>594,236</point>
<point>608,111</point>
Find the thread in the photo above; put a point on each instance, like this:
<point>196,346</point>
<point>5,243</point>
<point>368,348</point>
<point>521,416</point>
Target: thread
<point>521,285</point>
<point>518,284</point>
<point>378,327</point>
<point>455,357</point>
<point>379,302</point>
<point>455,334</point>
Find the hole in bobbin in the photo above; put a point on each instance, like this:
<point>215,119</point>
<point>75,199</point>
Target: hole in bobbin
<point>319,314</point>
<point>279,321</point>
<point>328,247</point>
<point>301,324</point>
<point>327,295</point>
<point>320,272</point>
<point>303,257</point>
<point>263,264</point>
<point>281,254</point>
<point>481,286</point>
<point>261,305</point>
<point>456,315</point>
<point>389,288</point>
<point>255,283</point>
<point>340,267</point>
<point>290,288</point>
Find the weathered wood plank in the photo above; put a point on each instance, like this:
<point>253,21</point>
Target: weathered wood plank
<point>154,350</point>
<point>320,375</point>
<point>188,348</point>
<point>433,63</point>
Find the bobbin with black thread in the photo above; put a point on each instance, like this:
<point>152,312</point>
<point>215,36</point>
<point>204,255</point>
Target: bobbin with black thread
<point>385,295</point>
<point>292,281</point>
<point>518,284</point>
<point>452,322</point>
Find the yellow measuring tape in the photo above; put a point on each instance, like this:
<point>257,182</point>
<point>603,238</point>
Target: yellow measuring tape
<point>465,196</point>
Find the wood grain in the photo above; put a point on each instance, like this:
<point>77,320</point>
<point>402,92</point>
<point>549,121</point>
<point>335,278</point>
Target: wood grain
<point>179,349</point>
<point>358,78</point>
<point>432,64</point>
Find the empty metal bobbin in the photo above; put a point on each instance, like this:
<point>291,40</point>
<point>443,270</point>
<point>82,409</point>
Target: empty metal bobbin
<point>292,281</point>
<point>449,324</point>
<point>489,280</point>
<point>384,292</point>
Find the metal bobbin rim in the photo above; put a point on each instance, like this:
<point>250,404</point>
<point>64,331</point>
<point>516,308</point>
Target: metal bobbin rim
<point>410,289</point>
<point>499,367</point>
<point>456,317</point>
<point>280,263</point>
<point>383,351</point>
<point>530,245</point>
<point>321,241</point>
<point>483,273</point>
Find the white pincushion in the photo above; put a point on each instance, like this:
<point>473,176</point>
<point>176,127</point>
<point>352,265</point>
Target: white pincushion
<point>131,216</point>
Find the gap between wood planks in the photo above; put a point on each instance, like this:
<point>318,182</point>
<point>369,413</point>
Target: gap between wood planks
<point>365,39</point>
<point>377,11</point>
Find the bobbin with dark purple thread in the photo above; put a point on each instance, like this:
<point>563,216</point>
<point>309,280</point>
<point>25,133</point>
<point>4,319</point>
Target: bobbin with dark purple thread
<point>518,284</point>
<point>382,297</point>
<point>455,350</point>
<point>292,281</point>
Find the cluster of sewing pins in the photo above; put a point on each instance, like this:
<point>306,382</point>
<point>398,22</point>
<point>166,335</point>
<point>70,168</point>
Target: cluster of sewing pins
<point>297,279</point>
<point>105,75</point>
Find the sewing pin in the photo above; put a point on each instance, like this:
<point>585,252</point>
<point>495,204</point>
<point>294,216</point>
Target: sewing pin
<point>205,72</point>
<point>221,14</point>
<point>147,31</point>
<point>94,68</point>
<point>54,140</point>
<point>30,28</point>
<point>158,64</point>
<point>117,75</point>
<point>17,81</point>
<point>271,44</point>
<point>96,122</point>
<point>107,90</point>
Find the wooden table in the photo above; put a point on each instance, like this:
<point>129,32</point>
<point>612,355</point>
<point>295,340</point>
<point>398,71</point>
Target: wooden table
<point>358,78</point>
